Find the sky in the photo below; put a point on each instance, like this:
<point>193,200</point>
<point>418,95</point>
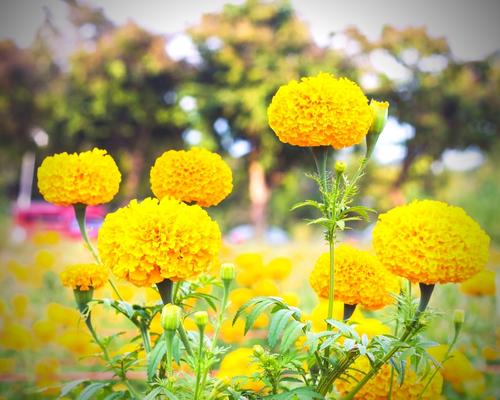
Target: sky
<point>471,27</point>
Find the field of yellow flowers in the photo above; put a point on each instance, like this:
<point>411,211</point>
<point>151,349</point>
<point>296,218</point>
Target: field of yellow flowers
<point>44,343</point>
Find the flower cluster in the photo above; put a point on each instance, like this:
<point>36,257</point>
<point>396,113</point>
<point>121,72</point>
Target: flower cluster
<point>149,241</point>
<point>84,276</point>
<point>197,175</point>
<point>359,278</point>
<point>320,111</point>
<point>378,387</point>
<point>89,178</point>
<point>431,242</point>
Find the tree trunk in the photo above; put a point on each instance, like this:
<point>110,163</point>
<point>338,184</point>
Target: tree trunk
<point>135,165</point>
<point>259,197</point>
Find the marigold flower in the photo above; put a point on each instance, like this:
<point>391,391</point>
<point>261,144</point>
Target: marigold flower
<point>149,241</point>
<point>378,387</point>
<point>197,175</point>
<point>359,278</point>
<point>481,284</point>
<point>84,276</point>
<point>320,111</point>
<point>239,363</point>
<point>90,178</point>
<point>279,268</point>
<point>431,242</point>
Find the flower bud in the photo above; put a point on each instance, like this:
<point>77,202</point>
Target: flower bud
<point>200,319</point>
<point>459,316</point>
<point>227,272</point>
<point>380,110</point>
<point>340,167</point>
<point>258,350</point>
<point>171,317</point>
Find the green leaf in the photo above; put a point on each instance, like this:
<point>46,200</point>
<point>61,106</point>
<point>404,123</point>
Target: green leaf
<point>155,356</point>
<point>91,390</point>
<point>255,313</point>
<point>291,334</point>
<point>302,393</point>
<point>278,322</point>
<point>68,387</point>
<point>116,395</point>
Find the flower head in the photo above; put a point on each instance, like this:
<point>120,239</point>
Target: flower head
<point>90,178</point>
<point>239,363</point>
<point>149,241</point>
<point>431,242</point>
<point>197,175</point>
<point>84,276</point>
<point>359,278</point>
<point>378,387</point>
<point>320,111</point>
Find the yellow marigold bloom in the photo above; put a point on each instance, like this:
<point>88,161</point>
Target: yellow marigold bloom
<point>90,178</point>
<point>77,341</point>
<point>378,387</point>
<point>14,336</point>
<point>45,259</point>
<point>265,287</point>
<point>279,268</point>
<point>149,241</point>
<point>240,363</point>
<point>44,331</point>
<point>291,298</point>
<point>20,305</point>
<point>431,242</point>
<point>67,317</point>
<point>240,296</point>
<point>371,327</point>
<point>320,111</point>
<point>481,284</point>
<point>41,238</point>
<point>84,276</point>
<point>197,175</point>
<point>359,278</point>
<point>230,333</point>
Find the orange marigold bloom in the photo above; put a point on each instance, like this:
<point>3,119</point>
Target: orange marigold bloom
<point>149,241</point>
<point>84,276</point>
<point>90,178</point>
<point>431,242</point>
<point>359,278</point>
<point>320,111</point>
<point>197,175</point>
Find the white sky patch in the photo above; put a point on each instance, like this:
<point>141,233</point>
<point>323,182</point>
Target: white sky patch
<point>192,136</point>
<point>462,160</point>
<point>181,47</point>
<point>240,148</point>
<point>390,148</point>
<point>188,103</point>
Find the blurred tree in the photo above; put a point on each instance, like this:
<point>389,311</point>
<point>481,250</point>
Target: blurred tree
<point>121,96</point>
<point>247,51</point>
<point>451,104</point>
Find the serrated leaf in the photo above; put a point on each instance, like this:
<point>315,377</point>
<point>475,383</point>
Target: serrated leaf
<point>91,390</point>
<point>155,357</point>
<point>291,334</point>
<point>68,387</point>
<point>255,313</point>
<point>278,322</point>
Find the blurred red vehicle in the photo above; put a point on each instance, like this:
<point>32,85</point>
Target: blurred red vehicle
<point>45,216</point>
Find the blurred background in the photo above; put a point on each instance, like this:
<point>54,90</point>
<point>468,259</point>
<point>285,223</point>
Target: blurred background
<point>140,77</point>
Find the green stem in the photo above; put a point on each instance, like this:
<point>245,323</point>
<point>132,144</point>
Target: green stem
<point>80,210</point>
<point>169,341</point>
<point>145,337</point>
<point>199,366</point>
<point>331,290</point>
<point>327,380</point>
<point>185,339</point>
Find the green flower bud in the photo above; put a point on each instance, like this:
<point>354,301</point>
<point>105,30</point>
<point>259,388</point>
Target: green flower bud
<point>227,272</point>
<point>459,316</point>
<point>171,317</point>
<point>340,167</point>
<point>380,110</point>
<point>200,319</point>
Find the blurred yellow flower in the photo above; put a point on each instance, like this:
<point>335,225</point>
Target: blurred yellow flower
<point>77,341</point>
<point>320,111</point>
<point>320,313</point>
<point>249,261</point>
<point>291,298</point>
<point>44,330</point>
<point>431,242</point>
<point>371,327</point>
<point>149,241</point>
<point>47,376</point>
<point>459,371</point>
<point>20,305</point>
<point>44,259</point>
<point>197,175</point>
<point>240,296</point>
<point>481,284</point>
<point>490,353</point>
<point>7,365</point>
<point>230,333</point>
<point>20,272</point>
<point>378,387</point>
<point>265,287</point>
<point>279,268</point>
<point>239,363</point>
<point>359,278</point>
<point>14,336</point>
<point>41,238</point>
<point>66,317</point>
<point>84,276</point>
<point>90,178</point>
